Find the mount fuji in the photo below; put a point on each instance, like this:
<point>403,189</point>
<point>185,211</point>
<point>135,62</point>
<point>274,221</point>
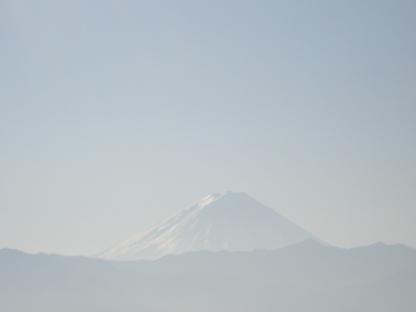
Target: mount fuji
<point>218,222</point>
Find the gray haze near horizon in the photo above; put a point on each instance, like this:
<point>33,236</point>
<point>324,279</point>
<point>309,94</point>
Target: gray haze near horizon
<point>117,114</point>
<point>302,277</point>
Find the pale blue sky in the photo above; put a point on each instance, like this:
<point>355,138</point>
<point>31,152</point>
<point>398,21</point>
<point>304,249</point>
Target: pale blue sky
<point>116,114</point>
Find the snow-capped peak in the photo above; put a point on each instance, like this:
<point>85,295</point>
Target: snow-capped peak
<point>221,221</point>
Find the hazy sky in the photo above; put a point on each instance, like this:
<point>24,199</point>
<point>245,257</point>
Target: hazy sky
<point>117,114</point>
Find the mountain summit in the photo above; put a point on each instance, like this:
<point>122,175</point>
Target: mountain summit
<point>230,221</point>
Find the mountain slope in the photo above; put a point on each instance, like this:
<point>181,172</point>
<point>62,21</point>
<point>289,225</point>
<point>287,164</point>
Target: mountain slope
<point>231,221</point>
<point>302,277</point>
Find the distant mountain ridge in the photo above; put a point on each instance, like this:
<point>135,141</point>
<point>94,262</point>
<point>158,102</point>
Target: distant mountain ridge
<point>230,221</point>
<point>307,276</point>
